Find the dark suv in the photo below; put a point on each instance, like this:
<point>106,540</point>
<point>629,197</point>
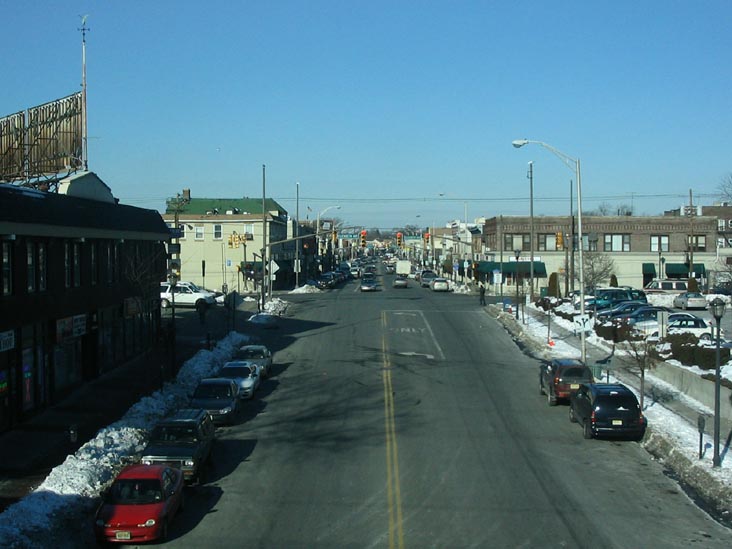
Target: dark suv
<point>609,409</point>
<point>184,441</point>
<point>561,377</point>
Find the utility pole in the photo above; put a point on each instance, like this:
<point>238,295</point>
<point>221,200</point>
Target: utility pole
<point>691,236</point>
<point>531,229</point>
<point>84,125</point>
<point>571,233</point>
<point>264,239</point>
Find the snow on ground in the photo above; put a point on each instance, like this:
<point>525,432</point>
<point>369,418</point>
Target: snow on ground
<point>306,289</point>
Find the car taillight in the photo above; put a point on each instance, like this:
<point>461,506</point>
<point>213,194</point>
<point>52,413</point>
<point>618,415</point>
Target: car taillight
<point>557,380</point>
<point>592,417</point>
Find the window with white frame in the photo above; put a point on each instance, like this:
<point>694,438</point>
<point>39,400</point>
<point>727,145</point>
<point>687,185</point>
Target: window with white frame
<point>721,225</point>
<point>700,242</point>
<point>199,231</point>
<point>617,243</point>
<point>547,242</point>
<point>659,242</point>
<point>513,242</point>
<point>218,232</point>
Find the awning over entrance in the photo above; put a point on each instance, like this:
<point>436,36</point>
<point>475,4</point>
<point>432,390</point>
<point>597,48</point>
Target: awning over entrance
<point>649,269</point>
<point>681,270</point>
<point>509,268</point>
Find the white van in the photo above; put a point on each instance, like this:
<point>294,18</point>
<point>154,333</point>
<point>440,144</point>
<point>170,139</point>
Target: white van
<point>667,286</point>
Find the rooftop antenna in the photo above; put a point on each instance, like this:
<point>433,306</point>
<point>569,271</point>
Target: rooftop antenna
<point>84,127</point>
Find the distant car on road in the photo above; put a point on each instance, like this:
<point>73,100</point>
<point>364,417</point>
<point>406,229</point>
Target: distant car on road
<point>400,282</point>
<point>369,284</point>
<point>140,504</point>
<point>561,377</point>
<point>425,277</point>
<point>607,409</point>
<point>690,300</point>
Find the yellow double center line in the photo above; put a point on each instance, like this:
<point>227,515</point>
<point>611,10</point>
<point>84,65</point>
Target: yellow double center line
<point>393,491</point>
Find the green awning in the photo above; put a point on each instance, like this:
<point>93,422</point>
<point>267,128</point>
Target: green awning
<point>649,269</point>
<point>681,270</point>
<point>523,268</point>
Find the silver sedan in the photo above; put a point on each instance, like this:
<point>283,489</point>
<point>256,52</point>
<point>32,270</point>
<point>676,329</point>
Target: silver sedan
<point>690,300</point>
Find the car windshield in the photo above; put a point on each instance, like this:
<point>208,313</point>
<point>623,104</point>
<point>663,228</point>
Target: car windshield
<point>134,492</point>
<point>694,295</point>
<point>173,433</point>
<point>210,390</point>
<point>235,371</point>
<point>616,403</point>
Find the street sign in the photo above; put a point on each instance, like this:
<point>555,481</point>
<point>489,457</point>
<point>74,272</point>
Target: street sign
<point>274,267</point>
<point>297,265</point>
<point>466,264</point>
<point>582,323</point>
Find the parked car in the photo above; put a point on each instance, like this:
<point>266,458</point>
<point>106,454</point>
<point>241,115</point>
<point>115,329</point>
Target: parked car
<point>184,441</point>
<point>426,277</point>
<point>667,286</point>
<point>438,284</point>
<point>641,314</point>
<point>245,374</point>
<point>620,309</point>
<point>690,300</point>
<point>139,504</point>
<point>256,354</point>
<point>609,297</point>
<point>187,294</point>
<point>677,324</point>
<point>561,377</point>
<point>400,282</point>
<point>218,396</point>
<point>607,409</point>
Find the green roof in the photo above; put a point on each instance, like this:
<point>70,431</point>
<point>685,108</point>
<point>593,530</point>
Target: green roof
<point>202,206</point>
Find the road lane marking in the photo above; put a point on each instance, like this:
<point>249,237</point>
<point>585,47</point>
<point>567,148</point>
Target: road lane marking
<point>434,339</point>
<point>393,488</point>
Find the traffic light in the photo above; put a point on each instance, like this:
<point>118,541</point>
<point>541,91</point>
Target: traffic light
<point>231,241</point>
<point>560,241</point>
<point>363,239</point>
<point>400,240</point>
<point>426,239</point>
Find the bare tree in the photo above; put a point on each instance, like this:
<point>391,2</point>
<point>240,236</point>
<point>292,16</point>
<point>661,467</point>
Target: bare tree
<point>598,267</point>
<point>625,210</point>
<point>725,187</point>
<point>643,358</point>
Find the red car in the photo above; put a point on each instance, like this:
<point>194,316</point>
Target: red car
<point>139,505</point>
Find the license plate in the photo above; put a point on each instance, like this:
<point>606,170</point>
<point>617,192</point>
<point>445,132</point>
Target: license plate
<point>122,535</point>
<point>574,386</point>
<point>617,422</point>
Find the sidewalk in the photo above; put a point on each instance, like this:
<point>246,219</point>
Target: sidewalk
<point>30,450</point>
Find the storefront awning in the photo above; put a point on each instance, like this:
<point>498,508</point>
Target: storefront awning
<point>523,268</point>
<point>681,270</point>
<point>649,269</point>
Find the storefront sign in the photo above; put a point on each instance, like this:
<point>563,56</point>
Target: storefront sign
<point>70,327</point>
<point>7,340</point>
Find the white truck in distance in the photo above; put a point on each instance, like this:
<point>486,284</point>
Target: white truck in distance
<point>403,267</point>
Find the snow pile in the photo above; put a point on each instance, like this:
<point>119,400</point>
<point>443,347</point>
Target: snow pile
<point>460,288</point>
<point>275,306</point>
<point>71,486</point>
<point>306,289</point>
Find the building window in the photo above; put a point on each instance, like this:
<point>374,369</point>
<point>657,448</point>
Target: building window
<point>218,232</point>
<point>42,267</point>
<point>76,265</point>
<point>7,268</point>
<point>249,229</point>
<point>109,263</point>
<point>30,253</point>
<point>93,263</point>
<point>67,265</point>
<point>512,242</point>
<point>659,242</point>
<point>700,243</point>
<point>199,232</point>
<point>617,243</point>
<point>721,225</point>
<point>547,242</point>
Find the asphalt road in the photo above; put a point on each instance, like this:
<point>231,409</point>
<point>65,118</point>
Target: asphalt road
<point>405,418</point>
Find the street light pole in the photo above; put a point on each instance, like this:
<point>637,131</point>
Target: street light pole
<point>297,233</point>
<point>517,253</point>
<point>717,308</point>
<point>531,228</point>
<point>572,164</point>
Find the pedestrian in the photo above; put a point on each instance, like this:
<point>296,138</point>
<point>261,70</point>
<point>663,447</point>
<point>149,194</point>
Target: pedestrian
<point>482,293</point>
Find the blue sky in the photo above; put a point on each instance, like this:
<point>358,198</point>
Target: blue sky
<point>399,112</point>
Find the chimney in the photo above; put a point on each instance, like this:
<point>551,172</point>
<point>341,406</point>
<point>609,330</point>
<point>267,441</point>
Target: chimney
<point>186,194</point>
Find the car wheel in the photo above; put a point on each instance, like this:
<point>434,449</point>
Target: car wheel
<point>683,305</point>
<point>705,337</point>
<point>587,431</point>
<point>551,399</point>
<point>572,417</point>
<point>164,303</point>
